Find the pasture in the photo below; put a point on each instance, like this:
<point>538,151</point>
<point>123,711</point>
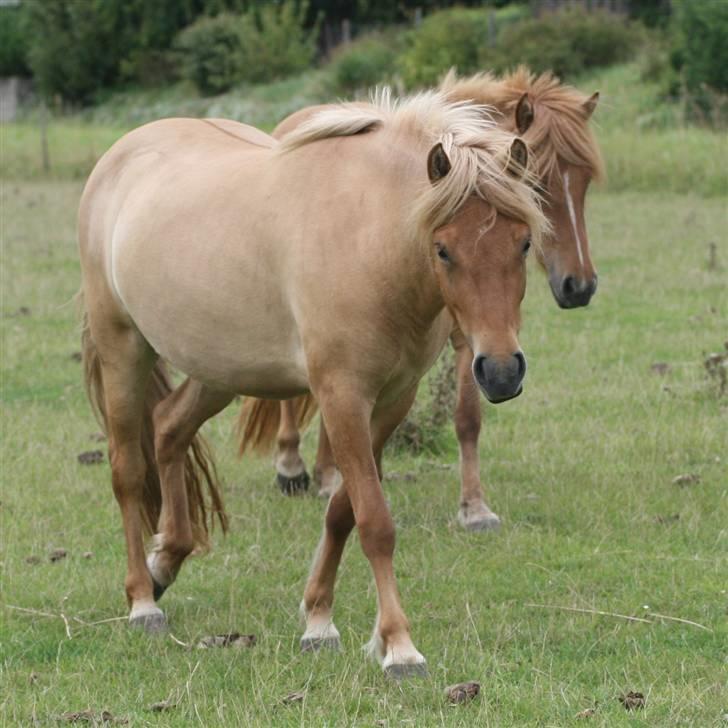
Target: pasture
<point>580,468</point>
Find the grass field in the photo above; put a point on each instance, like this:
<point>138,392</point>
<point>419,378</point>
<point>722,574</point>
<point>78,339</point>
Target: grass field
<point>580,468</point>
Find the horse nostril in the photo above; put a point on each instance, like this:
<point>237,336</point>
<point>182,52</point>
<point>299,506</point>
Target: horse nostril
<point>479,368</point>
<point>568,286</point>
<point>521,364</point>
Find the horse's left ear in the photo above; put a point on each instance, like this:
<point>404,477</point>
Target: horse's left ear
<point>524,114</point>
<point>517,158</point>
<point>438,163</point>
<point>590,104</point>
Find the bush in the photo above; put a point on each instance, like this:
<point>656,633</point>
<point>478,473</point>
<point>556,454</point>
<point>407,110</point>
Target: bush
<point>73,46</point>
<point>13,42</point>
<point>427,427</point>
<point>702,44</point>
<point>262,45</point>
<point>210,52</point>
<point>445,39</point>
<point>362,64</point>
<point>274,43</point>
<point>566,42</point>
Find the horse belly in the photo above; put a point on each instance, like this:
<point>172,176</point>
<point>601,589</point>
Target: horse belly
<point>226,327</point>
<point>242,362</point>
<point>254,356</point>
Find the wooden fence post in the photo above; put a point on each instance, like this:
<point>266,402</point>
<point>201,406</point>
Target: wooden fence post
<point>45,157</point>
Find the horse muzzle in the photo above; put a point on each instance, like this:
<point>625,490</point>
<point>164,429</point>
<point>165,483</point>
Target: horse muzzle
<point>573,292</point>
<point>499,379</point>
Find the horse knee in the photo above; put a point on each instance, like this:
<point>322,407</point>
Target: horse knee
<point>339,519</point>
<point>377,536</point>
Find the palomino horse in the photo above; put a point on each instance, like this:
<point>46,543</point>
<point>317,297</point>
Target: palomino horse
<point>553,119</point>
<point>204,242</point>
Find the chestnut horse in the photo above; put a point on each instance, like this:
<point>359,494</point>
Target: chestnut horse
<point>553,119</point>
<point>203,243</point>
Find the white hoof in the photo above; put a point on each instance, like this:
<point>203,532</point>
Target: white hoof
<point>400,665</point>
<point>320,634</point>
<point>398,662</point>
<point>148,617</point>
<point>478,517</point>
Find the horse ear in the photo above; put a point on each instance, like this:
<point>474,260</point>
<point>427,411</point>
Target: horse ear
<point>590,104</point>
<point>524,114</point>
<point>438,164</point>
<point>517,158</point>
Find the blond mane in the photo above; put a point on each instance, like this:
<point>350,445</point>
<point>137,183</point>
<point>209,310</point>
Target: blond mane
<point>560,128</point>
<point>479,152</point>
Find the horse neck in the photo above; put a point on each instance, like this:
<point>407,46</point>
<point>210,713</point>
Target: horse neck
<point>420,301</point>
<point>412,286</point>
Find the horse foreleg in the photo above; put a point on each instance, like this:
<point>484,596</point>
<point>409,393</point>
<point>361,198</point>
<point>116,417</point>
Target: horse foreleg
<point>177,419</point>
<point>391,642</point>
<point>318,597</point>
<point>290,468</point>
<point>473,513</point>
<point>350,424</point>
<point>326,474</point>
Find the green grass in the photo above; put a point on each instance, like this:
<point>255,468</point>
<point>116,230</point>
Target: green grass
<point>580,468</point>
<point>646,145</point>
<point>74,147</point>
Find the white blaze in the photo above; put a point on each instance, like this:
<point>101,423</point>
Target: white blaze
<point>572,215</point>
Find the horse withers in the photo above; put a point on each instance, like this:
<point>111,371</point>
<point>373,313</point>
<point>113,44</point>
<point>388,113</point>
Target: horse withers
<point>203,243</point>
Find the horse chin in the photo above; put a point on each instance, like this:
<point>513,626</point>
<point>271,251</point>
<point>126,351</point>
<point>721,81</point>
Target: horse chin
<point>566,305</point>
<point>556,293</point>
<point>497,399</point>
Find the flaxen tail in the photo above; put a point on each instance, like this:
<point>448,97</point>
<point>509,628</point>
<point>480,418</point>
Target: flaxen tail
<point>260,418</point>
<point>199,465</point>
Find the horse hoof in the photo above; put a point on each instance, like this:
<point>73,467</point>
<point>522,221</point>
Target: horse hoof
<point>293,485</point>
<point>402,671</point>
<point>489,523</point>
<point>478,519</point>
<point>314,644</point>
<point>152,622</point>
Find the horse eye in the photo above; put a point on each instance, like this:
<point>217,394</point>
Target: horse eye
<point>526,245</point>
<point>442,253</point>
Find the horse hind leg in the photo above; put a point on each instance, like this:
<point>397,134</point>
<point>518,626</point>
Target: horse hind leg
<point>326,474</point>
<point>119,371</point>
<point>183,463</point>
<point>291,472</point>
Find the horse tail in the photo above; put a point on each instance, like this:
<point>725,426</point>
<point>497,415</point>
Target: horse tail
<point>199,470</point>
<point>260,419</point>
